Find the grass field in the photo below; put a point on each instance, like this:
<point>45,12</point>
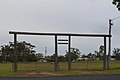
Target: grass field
<point>47,69</point>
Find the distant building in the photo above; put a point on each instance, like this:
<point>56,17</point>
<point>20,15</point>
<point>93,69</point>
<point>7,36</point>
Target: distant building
<point>42,60</point>
<point>83,58</point>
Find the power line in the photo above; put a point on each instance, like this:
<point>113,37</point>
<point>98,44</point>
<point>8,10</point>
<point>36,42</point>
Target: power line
<point>115,29</point>
<point>115,18</point>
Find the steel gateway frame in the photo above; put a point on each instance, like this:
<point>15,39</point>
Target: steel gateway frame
<point>56,48</point>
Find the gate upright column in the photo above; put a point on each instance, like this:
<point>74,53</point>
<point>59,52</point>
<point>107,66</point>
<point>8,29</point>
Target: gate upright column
<point>104,56</point>
<point>56,54</point>
<point>69,59</point>
<point>15,54</point>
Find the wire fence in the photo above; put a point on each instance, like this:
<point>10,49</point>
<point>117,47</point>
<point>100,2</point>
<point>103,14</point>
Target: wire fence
<point>6,68</point>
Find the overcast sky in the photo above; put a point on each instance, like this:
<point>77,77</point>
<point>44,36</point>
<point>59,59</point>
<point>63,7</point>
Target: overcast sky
<point>71,16</point>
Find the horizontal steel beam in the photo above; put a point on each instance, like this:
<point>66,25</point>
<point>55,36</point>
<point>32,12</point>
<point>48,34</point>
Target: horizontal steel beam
<point>60,34</point>
<point>62,43</point>
<point>62,40</point>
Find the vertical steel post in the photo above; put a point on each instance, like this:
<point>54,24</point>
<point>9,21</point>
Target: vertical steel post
<point>69,59</point>
<point>15,54</point>
<point>105,58</point>
<point>56,54</point>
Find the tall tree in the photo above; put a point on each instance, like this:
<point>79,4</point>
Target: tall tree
<point>117,3</point>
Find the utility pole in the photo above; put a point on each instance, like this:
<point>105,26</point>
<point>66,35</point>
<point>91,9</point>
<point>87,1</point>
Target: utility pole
<point>109,45</point>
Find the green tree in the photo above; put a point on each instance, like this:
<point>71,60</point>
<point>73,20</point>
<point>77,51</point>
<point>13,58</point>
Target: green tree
<point>52,58</point>
<point>6,53</point>
<point>39,56</point>
<point>75,54</point>
<point>24,51</point>
<point>116,53</point>
<point>61,58</point>
<point>117,3</point>
<point>48,58</point>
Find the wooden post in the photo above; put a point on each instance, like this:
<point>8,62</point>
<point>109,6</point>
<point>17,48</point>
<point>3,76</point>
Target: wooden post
<point>56,54</point>
<point>15,54</point>
<point>69,59</point>
<point>109,45</point>
<point>104,56</point>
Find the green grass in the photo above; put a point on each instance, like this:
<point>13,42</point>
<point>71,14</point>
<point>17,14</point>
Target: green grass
<point>47,69</point>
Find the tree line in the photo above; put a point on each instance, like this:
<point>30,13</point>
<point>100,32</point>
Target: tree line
<point>26,53</point>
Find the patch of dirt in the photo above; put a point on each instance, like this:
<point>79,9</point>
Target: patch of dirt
<point>89,72</point>
<point>50,73</point>
<point>42,73</point>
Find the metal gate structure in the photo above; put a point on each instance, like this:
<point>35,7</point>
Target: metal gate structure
<point>69,35</point>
